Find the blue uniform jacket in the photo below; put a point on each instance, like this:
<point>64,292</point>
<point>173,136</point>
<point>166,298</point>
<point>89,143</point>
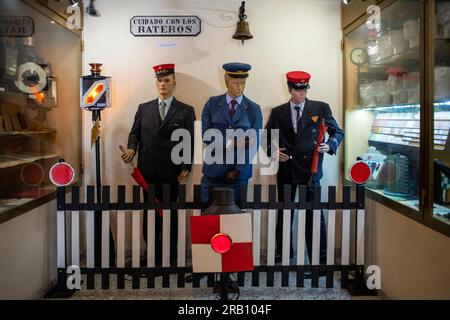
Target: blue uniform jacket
<point>215,115</point>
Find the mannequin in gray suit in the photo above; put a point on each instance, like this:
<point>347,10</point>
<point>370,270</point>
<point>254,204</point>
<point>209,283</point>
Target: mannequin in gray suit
<point>150,136</point>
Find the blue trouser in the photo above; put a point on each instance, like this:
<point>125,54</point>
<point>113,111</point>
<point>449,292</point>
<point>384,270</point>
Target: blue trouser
<point>208,183</point>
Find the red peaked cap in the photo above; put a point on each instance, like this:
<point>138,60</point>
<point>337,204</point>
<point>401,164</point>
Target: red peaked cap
<point>164,69</point>
<point>298,79</point>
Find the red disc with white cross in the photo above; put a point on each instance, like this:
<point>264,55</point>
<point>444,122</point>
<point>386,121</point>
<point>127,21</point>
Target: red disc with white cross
<point>222,243</point>
<point>62,174</point>
<point>360,172</point>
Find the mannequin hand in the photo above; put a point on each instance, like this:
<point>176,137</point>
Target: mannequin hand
<point>323,148</point>
<point>282,156</point>
<point>128,155</point>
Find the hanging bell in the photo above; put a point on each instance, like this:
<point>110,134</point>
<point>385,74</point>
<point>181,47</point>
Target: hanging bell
<point>242,30</point>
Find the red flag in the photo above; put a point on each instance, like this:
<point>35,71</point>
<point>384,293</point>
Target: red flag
<point>320,136</point>
<point>139,178</point>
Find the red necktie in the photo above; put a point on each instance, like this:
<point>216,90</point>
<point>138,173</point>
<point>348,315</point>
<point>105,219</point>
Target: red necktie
<point>233,108</point>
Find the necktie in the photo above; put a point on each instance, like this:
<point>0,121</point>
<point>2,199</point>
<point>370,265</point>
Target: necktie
<point>162,110</point>
<point>297,110</point>
<point>233,108</point>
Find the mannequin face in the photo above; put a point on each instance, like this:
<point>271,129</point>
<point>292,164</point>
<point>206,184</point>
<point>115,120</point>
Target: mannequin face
<point>235,86</point>
<point>166,85</point>
<point>298,95</point>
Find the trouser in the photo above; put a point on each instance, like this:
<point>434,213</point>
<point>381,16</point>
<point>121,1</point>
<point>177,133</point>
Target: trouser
<point>174,187</point>
<point>207,184</point>
<point>287,180</point>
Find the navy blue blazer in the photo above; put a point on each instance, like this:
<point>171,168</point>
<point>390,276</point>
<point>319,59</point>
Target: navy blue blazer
<point>215,115</point>
<point>301,145</point>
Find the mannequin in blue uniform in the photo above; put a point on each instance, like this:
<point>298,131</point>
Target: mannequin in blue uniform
<point>228,113</point>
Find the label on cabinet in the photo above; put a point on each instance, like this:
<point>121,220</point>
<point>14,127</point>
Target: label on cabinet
<point>16,26</point>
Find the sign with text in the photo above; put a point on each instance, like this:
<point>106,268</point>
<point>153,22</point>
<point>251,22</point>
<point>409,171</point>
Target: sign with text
<point>16,26</point>
<point>165,26</point>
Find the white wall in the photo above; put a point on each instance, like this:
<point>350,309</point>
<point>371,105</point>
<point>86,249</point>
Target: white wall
<point>28,254</point>
<point>414,260</point>
<point>288,35</point>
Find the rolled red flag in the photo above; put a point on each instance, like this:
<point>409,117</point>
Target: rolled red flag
<point>320,136</point>
<point>139,178</point>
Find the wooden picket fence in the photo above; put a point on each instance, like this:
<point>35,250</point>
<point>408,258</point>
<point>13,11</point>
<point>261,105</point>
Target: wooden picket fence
<point>71,210</point>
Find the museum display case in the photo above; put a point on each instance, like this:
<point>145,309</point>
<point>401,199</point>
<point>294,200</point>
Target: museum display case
<point>40,122</point>
<point>397,106</point>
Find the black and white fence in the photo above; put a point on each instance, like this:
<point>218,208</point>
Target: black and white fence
<point>90,268</point>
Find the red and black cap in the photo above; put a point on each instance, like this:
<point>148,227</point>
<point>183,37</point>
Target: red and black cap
<point>298,79</point>
<point>164,69</point>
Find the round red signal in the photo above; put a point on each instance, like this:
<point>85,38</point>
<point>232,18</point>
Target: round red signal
<point>221,243</point>
<point>360,172</point>
<point>62,174</point>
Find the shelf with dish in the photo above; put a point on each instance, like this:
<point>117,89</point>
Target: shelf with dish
<point>393,83</point>
<point>395,59</point>
<point>17,122</point>
<point>403,128</point>
<point>397,86</point>
<point>388,87</point>
<point>442,214</point>
<point>12,160</point>
<point>393,140</point>
<point>27,133</point>
<point>396,139</point>
<point>439,106</point>
<point>8,95</point>
<point>407,55</point>
<point>13,199</point>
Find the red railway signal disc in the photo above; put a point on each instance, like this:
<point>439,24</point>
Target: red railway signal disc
<point>221,243</point>
<point>360,172</point>
<point>62,174</point>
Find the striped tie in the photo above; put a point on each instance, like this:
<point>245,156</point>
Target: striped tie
<point>233,108</point>
<point>297,110</point>
<point>162,110</point>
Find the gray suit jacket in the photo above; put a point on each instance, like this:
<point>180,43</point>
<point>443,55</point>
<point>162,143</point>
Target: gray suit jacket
<point>151,137</point>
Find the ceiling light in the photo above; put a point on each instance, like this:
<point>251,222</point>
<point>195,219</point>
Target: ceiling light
<point>74,3</point>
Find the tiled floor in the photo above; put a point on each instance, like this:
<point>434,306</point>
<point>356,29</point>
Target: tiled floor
<point>204,293</point>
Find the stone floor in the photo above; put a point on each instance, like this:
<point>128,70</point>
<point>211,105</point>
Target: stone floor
<point>204,293</point>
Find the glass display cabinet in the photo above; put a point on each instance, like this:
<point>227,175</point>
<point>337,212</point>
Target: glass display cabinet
<point>40,66</point>
<point>397,106</point>
<point>440,117</point>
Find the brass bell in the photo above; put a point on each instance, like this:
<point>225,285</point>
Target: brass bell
<point>242,30</point>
